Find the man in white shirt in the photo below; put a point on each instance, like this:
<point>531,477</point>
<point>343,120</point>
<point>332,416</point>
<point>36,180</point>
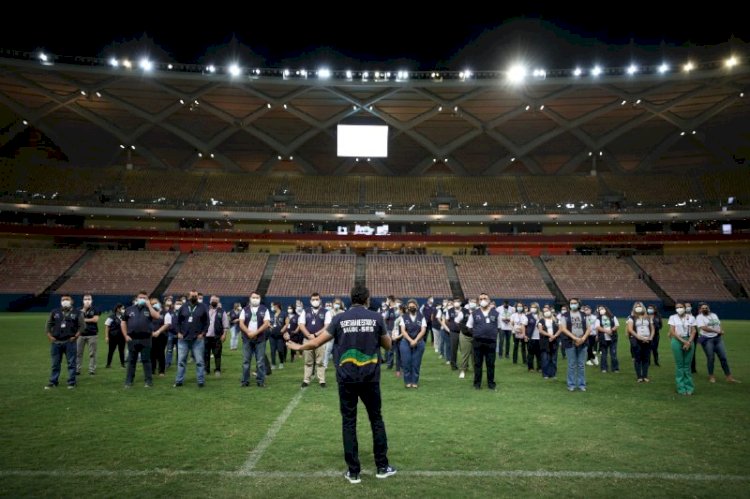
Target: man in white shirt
<point>312,321</point>
<point>505,311</point>
<point>254,321</point>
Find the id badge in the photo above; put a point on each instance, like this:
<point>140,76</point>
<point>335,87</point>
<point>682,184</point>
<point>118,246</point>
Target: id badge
<point>313,322</point>
<point>190,319</point>
<point>487,320</point>
<point>63,325</point>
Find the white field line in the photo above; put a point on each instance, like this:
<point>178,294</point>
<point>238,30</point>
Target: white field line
<point>257,452</point>
<point>619,475</point>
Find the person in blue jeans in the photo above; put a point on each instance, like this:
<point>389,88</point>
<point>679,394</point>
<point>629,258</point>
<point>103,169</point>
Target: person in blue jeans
<point>413,330</point>
<point>606,327</point>
<point>549,333</point>
<point>255,320</point>
<point>64,326</point>
<point>575,335</point>
<point>711,339</point>
<point>192,326</point>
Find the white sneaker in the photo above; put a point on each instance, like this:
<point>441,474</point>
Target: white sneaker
<point>596,361</point>
<point>447,362</point>
<point>589,363</point>
<point>281,366</point>
<point>462,375</point>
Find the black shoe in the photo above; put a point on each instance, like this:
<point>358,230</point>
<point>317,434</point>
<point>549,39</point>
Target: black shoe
<point>244,385</point>
<point>177,385</point>
<point>201,385</point>
<point>389,367</point>
<point>454,368</point>
<point>477,387</point>
<point>385,472</point>
<point>78,373</point>
<point>108,366</point>
<point>122,365</point>
<point>304,385</point>
<point>492,387</point>
<point>352,477</point>
<point>148,385</point>
<point>92,373</point>
<point>50,386</point>
<point>261,385</point>
<point>322,385</point>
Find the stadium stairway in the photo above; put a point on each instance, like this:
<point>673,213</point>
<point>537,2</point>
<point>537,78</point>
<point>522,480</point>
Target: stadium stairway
<point>360,276</point>
<point>729,281</point>
<point>265,280</point>
<point>522,189</point>
<point>450,267</point>
<point>171,273</point>
<point>42,299</point>
<point>560,298</point>
<point>663,296</point>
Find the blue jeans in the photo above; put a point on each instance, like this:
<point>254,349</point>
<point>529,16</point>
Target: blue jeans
<point>234,337</point>
<point>411,361</point>
<point>549,361</point>
<point>252,349</point>
<point>576,366</point>
<point>56,351</point>
<point>171,342</point>
<point>609,347</point>
<point>503,338</point>
<point>445,346</point>
<point>716,346</point>
<point>196,346</point>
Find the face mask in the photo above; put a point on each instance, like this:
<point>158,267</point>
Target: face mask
<point>384,306</point>
<point>214,304</point>
<point>704,312</point>
<point>193,300</point>
<point>430,301</point>
<point>65,303</point>
<point>472,305</point>
<point>563,310</point>
<point>254,302</point>
<point>638,310</point>
<point>547,313</point>
<point>289,311</point>
<point>315,303</point>
<point>412,309</point>
<point>336,306</point>
<point>141,301</point>
<point>299,310</point>
<point>574,306</point>
<point>397,312</point>
<point>519,309</point>
<point>680,310</point>
<point>688,309</point>
<point>483,303</point>
<point>534,310</point>
<point>602,311</point>
<point>200,299</point>
<point>457,304</point>
<point>87,303</point>
<point>650,311</point>
<point>156,306</point>
<point>178,306</point>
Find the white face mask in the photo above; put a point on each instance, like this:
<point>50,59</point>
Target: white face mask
<point>602,311</point>
<point>254,302</point>
<point>547,313</point>
<point>65,303</point>
<point>314,303</point>
<point>519,309</point>
<point>299,310</point>
<point>483,303</point>
<point>178,306</point>
<point>200,299</point>
<point>141,301</point>
<point>289,311</point>
<point>573,307</point>
<point>680,310</point>
<point>650,311</point>
<point>534,310</point>
<point>688,309</point>
<point>336,306</point>
<point>156,306</point>
<point>457,304</point>
<point>638,310</point>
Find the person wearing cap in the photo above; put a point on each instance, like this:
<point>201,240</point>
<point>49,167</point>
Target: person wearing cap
<point>64,326</point>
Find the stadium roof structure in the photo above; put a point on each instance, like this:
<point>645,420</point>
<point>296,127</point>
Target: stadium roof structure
<point>272,121</point>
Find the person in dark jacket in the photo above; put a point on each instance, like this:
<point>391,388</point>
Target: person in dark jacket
<point>64,326</point>
<point>114,339</point>
<point>192,326</point>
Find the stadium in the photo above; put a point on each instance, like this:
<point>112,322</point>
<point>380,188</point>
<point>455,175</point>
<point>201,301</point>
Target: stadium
<point>606,184</point>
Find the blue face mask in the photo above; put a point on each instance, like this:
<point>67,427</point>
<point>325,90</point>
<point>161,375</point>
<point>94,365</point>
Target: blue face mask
<point>573,307</point>
<point>141,301</point>
<point>156,306</point>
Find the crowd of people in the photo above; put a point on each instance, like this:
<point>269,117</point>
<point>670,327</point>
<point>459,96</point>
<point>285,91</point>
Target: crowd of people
<point>465,334</point>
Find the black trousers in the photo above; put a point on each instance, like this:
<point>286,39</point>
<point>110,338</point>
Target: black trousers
<point>158,347</point>
<point>116,343</point>
<point>535,352</point>
<point>278,346</point>
<point>516,343</point>
<point>655,348</point>
<point>349,395</point>
<point>455,336</point>
<point>136,346</point>
<point>484,350</point>
<point>212,344</point>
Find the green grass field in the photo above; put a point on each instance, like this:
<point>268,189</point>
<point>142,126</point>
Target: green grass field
<point>446,439</point>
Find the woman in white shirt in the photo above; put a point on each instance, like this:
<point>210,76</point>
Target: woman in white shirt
<point>518,322</point>
<point>711,334</point>
<point>641,332</point>
<point>682,332</point>
<point>606,327</point>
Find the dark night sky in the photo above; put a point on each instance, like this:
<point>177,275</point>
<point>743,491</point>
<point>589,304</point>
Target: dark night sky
<point>386,33</point>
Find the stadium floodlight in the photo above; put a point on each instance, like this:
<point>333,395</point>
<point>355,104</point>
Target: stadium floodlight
<point>731,62</point>
<point>541,108</point>
<point>303,73</point>
<point>170,66</point>
<point>663,68</point>
<point>365,75</point>
<point>114,62</point>
<point>349,74</point>
<point>689,66</point>
<point>25,123</point>
<point>632,69</point>
<point>516,73</point>
<point>577,72</point>
<point>127,64</point>
<point>43,57</point>
<point>324,73</point>
<point>596,71</point>
<point>528,106</point>
<point>211,68</point>
<point>145,64</point>
<point>539,73</point>
<point>234,69</point>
